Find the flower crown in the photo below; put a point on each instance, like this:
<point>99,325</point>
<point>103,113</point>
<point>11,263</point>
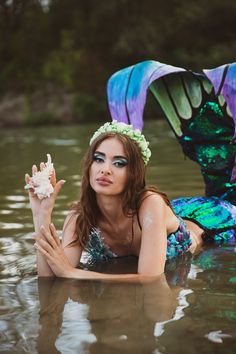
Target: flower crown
<point>125,129</point>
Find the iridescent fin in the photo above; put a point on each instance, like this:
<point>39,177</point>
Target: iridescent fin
<point>198,107</point>
<point>180,96</point>
<point>203,127</point>
<point>127,90</point>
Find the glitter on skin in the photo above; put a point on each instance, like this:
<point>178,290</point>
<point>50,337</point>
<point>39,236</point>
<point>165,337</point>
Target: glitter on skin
<point>147,220</point>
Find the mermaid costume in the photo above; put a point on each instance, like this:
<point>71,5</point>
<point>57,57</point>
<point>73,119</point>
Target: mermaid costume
<point>178,244</point>
<point>201,110</point>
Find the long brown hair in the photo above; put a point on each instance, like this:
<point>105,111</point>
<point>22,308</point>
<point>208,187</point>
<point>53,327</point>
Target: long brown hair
<point>132,196</point>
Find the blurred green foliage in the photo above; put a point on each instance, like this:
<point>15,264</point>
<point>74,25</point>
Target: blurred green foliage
<point>85,105</point>
<point>61,64</point>
<point>75,45</point>
<point>32,117</point>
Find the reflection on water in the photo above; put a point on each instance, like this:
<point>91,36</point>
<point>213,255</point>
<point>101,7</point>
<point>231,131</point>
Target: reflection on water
<point>71,316</point>
<point>172,315</point>
<point>128,322</point>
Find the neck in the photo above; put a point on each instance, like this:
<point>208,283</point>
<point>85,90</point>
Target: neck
<point>111,208</point>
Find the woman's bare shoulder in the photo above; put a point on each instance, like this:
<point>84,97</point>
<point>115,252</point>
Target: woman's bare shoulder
<point>70,221</point>
<point>152,198</point>
<point>69,234</point>
<point>154,206</point>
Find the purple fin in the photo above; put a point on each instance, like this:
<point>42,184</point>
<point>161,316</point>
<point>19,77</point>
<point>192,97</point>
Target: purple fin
<point>127,90</point>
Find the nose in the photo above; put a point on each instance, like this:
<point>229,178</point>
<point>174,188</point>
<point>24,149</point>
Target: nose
<point>106,169</point>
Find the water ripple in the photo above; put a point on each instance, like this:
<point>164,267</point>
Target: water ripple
<point>60,142</point>
<point>16,198</point>
<point>10,226</point>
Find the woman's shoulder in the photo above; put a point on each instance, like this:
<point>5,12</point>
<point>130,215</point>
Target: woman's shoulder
<point>153,203</point>
<point>71,218</point>
<point>69,235</point>
<point>72,213</point>
<point>153,211</point>
<point>152,197</point>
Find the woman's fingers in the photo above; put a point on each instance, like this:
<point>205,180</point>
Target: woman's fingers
<point>43,250</point>
<point>53,179</point>
<point>48,237</point>
<point>42,246</point>
<point>46,246</point>
<point>58,186</point>
<point>27,181</point>
<point>54,234</point>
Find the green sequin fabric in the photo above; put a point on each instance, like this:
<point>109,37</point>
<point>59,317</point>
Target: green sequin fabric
<point>215,216</point>
<point>207,139</point>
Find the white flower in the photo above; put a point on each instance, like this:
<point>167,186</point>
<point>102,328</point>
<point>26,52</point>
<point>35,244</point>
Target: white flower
<point>143,145</point>
<point>125,129</point>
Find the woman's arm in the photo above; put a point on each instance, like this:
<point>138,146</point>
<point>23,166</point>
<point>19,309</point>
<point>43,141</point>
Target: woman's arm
<point>152,253</point>
<point>41,212</point>
<point>70,248</point>
<point>153,219</point>
<point>70,244</point>
<point>59,261</point>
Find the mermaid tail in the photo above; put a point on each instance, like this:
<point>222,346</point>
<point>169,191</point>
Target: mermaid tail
<point>200,108</point>
<point>217,217</point>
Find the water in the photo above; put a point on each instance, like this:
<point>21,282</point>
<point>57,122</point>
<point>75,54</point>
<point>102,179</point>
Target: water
<point>180,313</point>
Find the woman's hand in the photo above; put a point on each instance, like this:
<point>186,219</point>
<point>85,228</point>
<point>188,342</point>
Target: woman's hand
<point>50,247</point>
<point>42,208</point>
<point>46,204</point>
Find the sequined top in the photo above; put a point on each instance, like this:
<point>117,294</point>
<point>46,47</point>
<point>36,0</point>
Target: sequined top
<point>178,243</point>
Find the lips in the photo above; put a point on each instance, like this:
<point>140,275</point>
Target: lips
<point>104,181</point>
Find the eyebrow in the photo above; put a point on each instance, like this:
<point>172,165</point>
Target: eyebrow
<point>114,157</point>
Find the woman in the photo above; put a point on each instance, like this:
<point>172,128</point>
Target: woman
<point>117,214</point>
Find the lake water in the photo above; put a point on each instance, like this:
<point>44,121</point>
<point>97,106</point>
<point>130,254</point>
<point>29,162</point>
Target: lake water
<point>192,309</point>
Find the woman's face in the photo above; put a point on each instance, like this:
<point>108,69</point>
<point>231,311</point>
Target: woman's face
<point>108,172</point>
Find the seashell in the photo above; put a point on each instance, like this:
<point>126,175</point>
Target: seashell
<point>40,181</point>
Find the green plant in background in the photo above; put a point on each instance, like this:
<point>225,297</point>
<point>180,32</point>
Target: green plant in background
<point>74,46</point>
<point>87,106</point>
<point>41,118</point>
<point>61,64</point>
<point>32,117</point>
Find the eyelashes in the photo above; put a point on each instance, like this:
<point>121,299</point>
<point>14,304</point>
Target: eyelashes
<point>118,162</point>
<point>98,158</point>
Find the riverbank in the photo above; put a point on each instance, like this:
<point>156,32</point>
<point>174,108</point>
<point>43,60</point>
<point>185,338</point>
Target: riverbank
<point>50,106</point>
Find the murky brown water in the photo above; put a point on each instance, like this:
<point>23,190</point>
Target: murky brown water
<point>180,313</point>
